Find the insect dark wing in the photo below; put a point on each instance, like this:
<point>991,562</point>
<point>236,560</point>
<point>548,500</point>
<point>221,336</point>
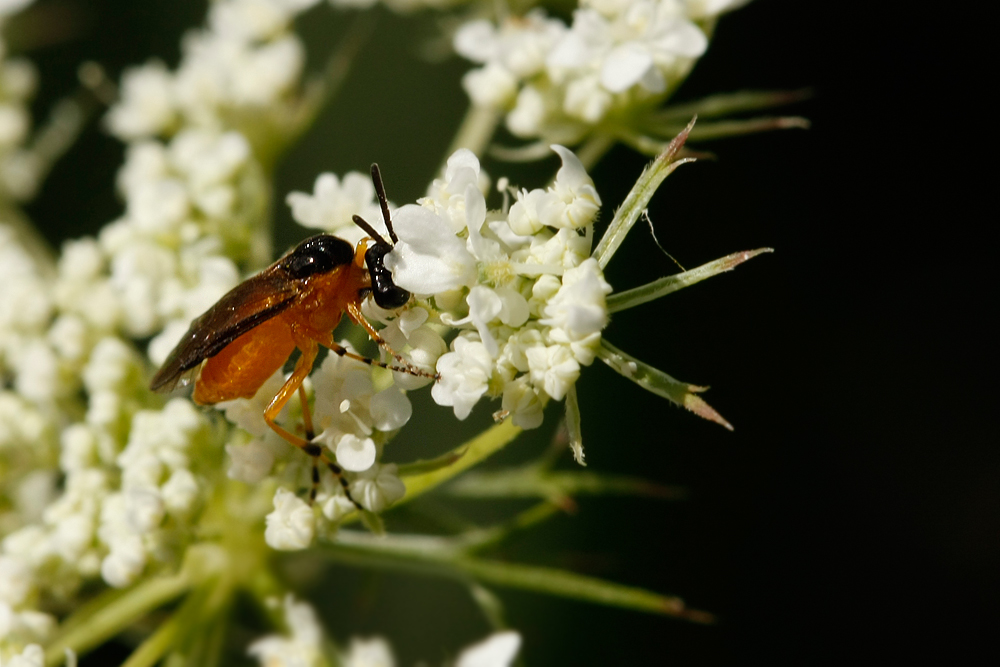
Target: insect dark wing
<point>250,303</point>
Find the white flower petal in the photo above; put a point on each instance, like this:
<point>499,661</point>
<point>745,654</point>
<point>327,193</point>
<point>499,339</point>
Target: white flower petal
<point>497,650</point>
<point>484,306</point>
<point>465,375</point>
<point>378,487</point>
<point>292,524</point>
<point>429,258</point>
<point>390,409</point>
<point>625,66</point>
<point>355,454</point>
<point>251,462</point>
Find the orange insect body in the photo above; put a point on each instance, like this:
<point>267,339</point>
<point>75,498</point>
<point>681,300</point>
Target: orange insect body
<point>239,370</point>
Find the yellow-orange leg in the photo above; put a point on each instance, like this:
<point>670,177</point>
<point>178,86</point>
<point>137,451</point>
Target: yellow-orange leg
<point>293,384</point>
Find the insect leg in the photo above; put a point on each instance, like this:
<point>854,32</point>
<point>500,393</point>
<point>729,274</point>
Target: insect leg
<point>338,472</point>
<point>292,384</point>
<point>307,423</point>
<point>354,312</point>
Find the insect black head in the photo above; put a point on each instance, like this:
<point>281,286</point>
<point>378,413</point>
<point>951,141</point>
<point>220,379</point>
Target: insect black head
<point>386,293</point>
<point>318,254</point>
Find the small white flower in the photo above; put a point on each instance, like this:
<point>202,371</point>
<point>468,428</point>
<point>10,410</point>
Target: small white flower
<point>180,492</point>
<point>490,86</point>
<point>31,656</point>
<point>355,454</point>
<point>586,100</point>
<point>370,652</point>
<point>126,561</point>
<point>429,258</point>
<point>553,369</point>
<point>292,524</point>
<point>488,305</point>
<point>334,202</point>
<point>38,372</point>
<point>378,487</point>
<point>572,201</point>
<point>302,649</point>
<point>145,509</point>
<point>208,158</point>
<point>146,106</point>
<point>553,253</point>
<point>465,375</point>
<point>521,400</point>
<point>497,650</point>
<point>390,409</point>
<point>112,363</point>
<point>16,580</point>
<point>337,506</point>
<point>527,118</point>
<point>70,337</point>
<point>578,313</point>
<point>250,463</point>
<point>447,196</point>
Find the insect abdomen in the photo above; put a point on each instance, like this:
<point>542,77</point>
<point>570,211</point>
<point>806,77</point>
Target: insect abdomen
<point>240,369</point>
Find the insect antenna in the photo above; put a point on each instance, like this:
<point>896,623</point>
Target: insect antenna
<point>383,202</point>
<point>363,224</point>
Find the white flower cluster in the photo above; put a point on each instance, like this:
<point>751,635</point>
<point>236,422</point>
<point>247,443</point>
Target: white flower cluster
<point>518,285</point>
<point>303,645</point>
<point>73,399</point>
<point>18,80</point>
<point>558,82</point>
<point>352,420</point>
<point>241,72</point>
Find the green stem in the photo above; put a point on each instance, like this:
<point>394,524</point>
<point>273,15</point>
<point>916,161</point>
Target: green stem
<point>638,198</point>
<point>724,104</point>
<point>151,650</point>
<point>578,587</point>
<point>594,149</point>
<point>413,559</point>
<point>489,604</point>
<point>476,130</point>
<point>116,616</point>
<point>735,128</point>
<point>471,452</point>
<point>176,632</point>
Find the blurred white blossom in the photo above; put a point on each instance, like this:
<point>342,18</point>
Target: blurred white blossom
<point>558,82</point>
<point>302,647</point>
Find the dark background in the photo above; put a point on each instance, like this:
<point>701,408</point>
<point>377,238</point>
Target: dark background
<point>853,515</point>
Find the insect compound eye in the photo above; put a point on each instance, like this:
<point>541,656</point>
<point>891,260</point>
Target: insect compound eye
<point>385,292</point>
<point>318,254</point>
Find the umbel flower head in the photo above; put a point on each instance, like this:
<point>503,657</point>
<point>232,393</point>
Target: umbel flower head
<point>615,59</point>
<point>104,485</point>
<point>517,290</point>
